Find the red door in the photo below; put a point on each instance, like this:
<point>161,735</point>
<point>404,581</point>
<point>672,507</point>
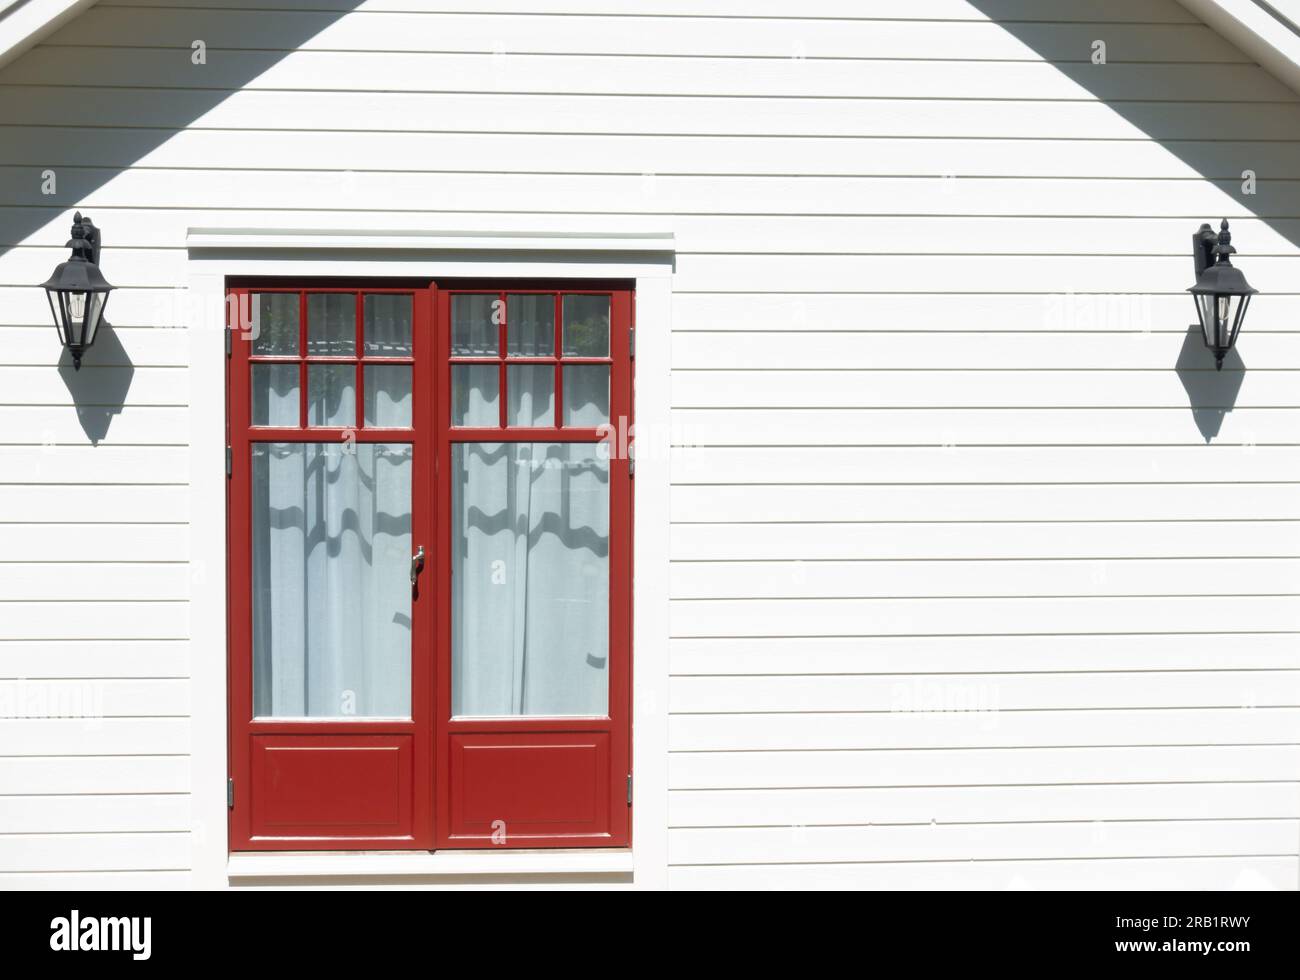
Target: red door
<point>430,566</point>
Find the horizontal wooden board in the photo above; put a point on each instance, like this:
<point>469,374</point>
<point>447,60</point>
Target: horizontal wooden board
<point>93,736</point>
<point>1032,841</point>
<point>883,617</point>
<point>56,620</point>
<point>107,581</point>
<point>1120,539</point>
<point>45,226</point>
<point>984,694</point>
<point>94,658</point>
<point>75,776</point>
<point>141,350</point>
<point>599,74</point>
<point>880,349</point>
<point>1152,874</point>
<point>92,465</point>
<point>881,579</point>
<point>978,727</point>
<point>91,541</point>
<point>85,701</point>
<point>1196,386</point>
<point>798,465</point>
<point>981,427</point>
<point>39,425</point>
<point>983,767</point>
<point>145,813</point>
<point>542,32</point>
<point>741,504</point>
<point>1114,11</point>
<point>126,504</point>
<point>95,852</point>
<point>111,881</point>
<point>59,146</point>
<point>955,118</point>
<point>983,654</point>
<point>985,804</point>
<point>666,194</point>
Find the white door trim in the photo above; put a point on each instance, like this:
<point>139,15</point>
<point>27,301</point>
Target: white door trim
<point>643,254</point>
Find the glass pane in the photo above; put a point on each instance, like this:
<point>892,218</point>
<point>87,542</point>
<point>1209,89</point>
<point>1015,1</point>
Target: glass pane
<point>475,389</point>
<point>530,579</point>
<point>388,395</point>
<point>586,326</point>
<point>275,394</point>
<point>331,324</point>
<point>331,592</point>
<point>331,394</point>
<point>586,394</point>
<point>532,394</point>
<point>475,320</point>
<point>275,323</point>
<point>530,326</point>
<point>388,325</point>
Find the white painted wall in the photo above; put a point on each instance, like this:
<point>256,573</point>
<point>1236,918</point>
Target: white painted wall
<point>923,475</point>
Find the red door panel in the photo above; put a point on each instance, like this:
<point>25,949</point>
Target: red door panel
<point>350,790</point>
<point>511,790</point>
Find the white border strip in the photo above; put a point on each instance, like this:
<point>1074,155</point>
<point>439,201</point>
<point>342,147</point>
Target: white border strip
<point>644,255</point>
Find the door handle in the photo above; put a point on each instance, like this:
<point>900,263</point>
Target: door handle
<point>417,563</point>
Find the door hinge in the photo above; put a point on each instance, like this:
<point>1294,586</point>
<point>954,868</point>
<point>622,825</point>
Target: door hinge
<point>229,345</point>
<point>631,342</point>
<point>631,466</point>
<point>230,793</point>
<point>230,461</point>
<point>629,789</point>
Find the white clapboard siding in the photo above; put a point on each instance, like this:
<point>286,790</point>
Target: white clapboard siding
<point>94,658</point>
<point>985,804</point>
<point>962,541</point>
<point>1025,502</point>
<point>146,813</point>
<point>976,692</point>
<point>777,655</point>
<point>71,775</point>
<point>982,576</point>
<point>882,116</point>
<point>972,767</point>
<point>974,718</point>
<point>882,579</point>
<point>1216,873</point>
<point>95,852</point>
<point>1084,839</point>
<point>633,153</point>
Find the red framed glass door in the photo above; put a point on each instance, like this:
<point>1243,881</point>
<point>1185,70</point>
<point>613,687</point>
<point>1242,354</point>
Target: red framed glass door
<point>476,695</point>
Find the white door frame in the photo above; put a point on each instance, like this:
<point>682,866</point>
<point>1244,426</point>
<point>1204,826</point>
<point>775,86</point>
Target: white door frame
<point>597,250</point>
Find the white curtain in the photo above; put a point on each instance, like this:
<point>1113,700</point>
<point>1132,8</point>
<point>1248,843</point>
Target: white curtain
<point>331,586</point>
<point>530,579</point>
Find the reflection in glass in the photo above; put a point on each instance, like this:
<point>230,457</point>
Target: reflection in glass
<point>331,324</point>
<point>274,325</point>
<point>388,395</point>
<point>388,325</point>
<point>331,614</point>
<point>275,394</point>
<point>532,394</point>
<point>586,394</point>
<point>530,325</point>
<point>475,325</point>
<point>475,391</point>
<point>331,394</point>
<point>530,579</point>
<point>586,326</point>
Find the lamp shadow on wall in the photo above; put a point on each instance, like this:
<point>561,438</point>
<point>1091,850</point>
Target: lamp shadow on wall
<point>1211,394</point>
<point>100,388</point>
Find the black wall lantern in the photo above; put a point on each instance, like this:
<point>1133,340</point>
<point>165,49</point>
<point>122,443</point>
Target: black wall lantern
<point>1221,291</point>
<point>77,292</point>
